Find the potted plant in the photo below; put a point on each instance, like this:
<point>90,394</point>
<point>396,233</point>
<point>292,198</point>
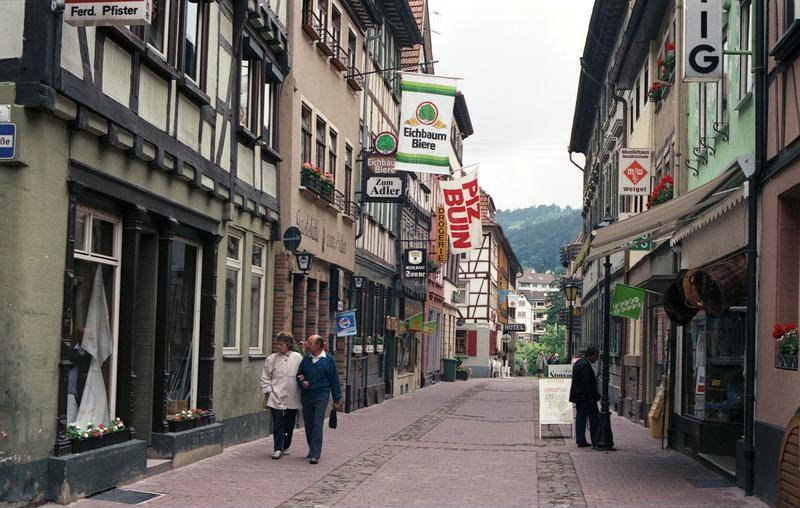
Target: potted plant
<point>357,345</point>
<point>433,266</point>
<point>787,342</point>
<point>463,372</point>
<point>370,346</point>
<point>666,65</point>
<point>379,344</point>
<point>656,92</point>
<point>90,436</point>
<point>662,193</point>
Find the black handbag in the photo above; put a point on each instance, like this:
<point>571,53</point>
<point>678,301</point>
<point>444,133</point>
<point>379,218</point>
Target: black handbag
<point>332,420</point>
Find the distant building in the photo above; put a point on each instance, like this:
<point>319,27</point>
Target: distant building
<point>534,281</point>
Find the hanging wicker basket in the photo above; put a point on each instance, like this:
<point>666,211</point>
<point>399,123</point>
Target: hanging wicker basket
<point>722,284</point>
<point>675,302</point>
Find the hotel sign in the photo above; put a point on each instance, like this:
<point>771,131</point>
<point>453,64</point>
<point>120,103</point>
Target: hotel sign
<point>107,12</point>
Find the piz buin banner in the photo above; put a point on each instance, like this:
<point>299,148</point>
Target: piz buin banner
<point>425,120</point>
<point>462,203</point>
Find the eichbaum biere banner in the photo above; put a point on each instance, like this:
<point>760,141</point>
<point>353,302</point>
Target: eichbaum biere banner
<point>425,120</point>
<point>462,204</point>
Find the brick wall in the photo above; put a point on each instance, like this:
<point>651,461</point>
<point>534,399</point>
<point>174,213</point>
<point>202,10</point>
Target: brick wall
<point>312,307</point>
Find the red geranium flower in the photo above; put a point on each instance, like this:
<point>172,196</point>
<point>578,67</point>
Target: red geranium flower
<point>670,46</point>
<point>790,327</point>
<point>777,331</point>
<point>660,62</point>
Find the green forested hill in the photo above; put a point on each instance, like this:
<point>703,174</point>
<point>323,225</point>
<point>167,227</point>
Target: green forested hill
<point>537,233</point>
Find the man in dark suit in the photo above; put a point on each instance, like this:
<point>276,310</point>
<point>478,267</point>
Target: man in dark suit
<point>318,380</point>
<point>584,394</point>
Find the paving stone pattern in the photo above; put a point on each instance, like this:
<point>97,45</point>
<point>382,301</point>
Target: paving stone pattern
<point>462,444</point>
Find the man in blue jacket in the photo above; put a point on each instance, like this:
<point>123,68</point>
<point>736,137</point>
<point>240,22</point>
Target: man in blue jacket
<point>318,380</point>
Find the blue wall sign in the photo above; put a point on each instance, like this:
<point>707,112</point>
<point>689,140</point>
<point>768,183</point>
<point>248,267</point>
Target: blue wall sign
<point>8,141</point>
<point>346,323</point>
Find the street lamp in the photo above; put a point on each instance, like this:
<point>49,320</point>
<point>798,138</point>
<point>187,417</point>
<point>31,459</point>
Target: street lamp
<point>571,293</point>
<point>604,438</point>
<point>358,281</point>
<point>304,260</point>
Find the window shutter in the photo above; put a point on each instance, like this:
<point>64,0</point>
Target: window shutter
<point>472,343</point>
<point>788,469</point>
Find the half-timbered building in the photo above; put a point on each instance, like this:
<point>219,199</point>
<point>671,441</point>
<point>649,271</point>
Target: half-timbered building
<point>482,272</point>
<point>140,210</point>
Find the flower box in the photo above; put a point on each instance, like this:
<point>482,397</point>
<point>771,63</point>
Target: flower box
<point>357,349</point>
<point>326,192</point>
<point>108,439</point>
<point>788,362</point>
<point>310,181</point>
<point>379,348</point>
<point>181,425</point>
<point>370,348</point>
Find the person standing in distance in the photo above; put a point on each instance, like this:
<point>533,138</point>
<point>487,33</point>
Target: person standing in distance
<point>318,379</point>
<point>584,394</point>
<point>281,393</point>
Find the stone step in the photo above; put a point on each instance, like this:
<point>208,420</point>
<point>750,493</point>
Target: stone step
<point>157,466</point>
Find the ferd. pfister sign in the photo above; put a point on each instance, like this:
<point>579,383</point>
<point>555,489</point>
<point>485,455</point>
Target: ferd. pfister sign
<point>107,12</point>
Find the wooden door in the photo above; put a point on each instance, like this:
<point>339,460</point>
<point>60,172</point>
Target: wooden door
<point>789,466</point>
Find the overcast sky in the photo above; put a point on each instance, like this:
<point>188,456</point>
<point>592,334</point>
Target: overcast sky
<point>519,64</point>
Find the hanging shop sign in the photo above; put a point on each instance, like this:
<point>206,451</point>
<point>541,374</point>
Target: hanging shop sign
<point>382,184</point>
<point>627,302</point>
<point>634,172</point>
<point>385,143</point>
<point>441,235</point>
<point>416,323</point>
<point>346,323</point>
<point>425,120</point>
<point>462,203</point>
<point>641,243</point>
<point>415,264</point>
<point>107,12</point>
<point>429,327</point>
<point>702,40</point>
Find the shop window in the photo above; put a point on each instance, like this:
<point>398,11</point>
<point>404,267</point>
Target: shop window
<point>257,269</point>
<point>183,325</point>
<point>714,368</point>
<point>788,295</point>
<point>233,304</point>
<point>94,334</point>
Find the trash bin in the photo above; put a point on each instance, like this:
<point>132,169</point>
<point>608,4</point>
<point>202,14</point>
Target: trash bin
<point>450,365</point>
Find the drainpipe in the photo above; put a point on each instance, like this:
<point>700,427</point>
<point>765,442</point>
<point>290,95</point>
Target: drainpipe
<point>752,246</point>
<point>569,150</point>
<point>680,118</point>
<point>621,100</point>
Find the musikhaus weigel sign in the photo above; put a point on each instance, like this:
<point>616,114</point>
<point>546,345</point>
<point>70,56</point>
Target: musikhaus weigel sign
<point>425,123</point>
<point>634,172</point>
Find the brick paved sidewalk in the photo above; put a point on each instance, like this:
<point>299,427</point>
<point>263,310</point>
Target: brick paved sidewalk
<point>459,444</point>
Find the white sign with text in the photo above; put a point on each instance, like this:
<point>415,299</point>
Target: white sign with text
<point>702,40</point>
<point>107,12</point>
<point>554,405</point>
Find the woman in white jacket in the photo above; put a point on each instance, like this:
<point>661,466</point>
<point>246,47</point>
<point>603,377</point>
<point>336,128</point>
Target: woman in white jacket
<point>281,393</point>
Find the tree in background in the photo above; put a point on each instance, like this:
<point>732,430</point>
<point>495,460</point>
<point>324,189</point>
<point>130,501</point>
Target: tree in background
<point>551,342</point>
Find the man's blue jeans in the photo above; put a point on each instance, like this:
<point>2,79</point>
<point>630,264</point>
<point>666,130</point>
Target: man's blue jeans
<point>313,419</point>
<point>586,410</point>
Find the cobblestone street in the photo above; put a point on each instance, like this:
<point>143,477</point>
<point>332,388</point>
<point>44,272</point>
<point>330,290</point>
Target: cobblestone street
<point>460,444</point>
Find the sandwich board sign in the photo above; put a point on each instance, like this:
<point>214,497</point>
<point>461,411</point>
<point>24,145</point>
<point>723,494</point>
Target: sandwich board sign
<point>554,405</point>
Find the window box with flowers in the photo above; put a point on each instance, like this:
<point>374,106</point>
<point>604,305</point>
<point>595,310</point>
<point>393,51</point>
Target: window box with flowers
<point>665,74</point>
<point>90,436</point>
<point>370,345</point>
<point>433,266</point>
<point>311,177</point>
<point>786,340</point>
<point>379,344</point>
<point>327,187</point>
<point>662,193</point>
<point>187,419</point>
